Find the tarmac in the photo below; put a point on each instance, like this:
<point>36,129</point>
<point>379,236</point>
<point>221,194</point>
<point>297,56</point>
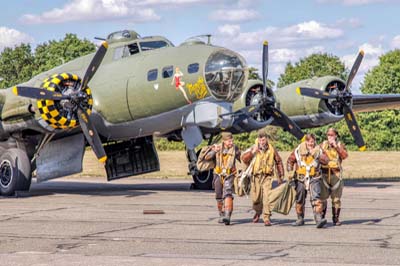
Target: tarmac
<point>92,222</point>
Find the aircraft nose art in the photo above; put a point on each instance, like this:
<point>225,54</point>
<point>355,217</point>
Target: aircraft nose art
<point>226,75</point>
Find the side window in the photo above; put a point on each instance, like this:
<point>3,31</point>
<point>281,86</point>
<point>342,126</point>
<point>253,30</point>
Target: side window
<point>193,68</point>
<point>168,71</point>
<point>133,48</point>
<point>152,74</point>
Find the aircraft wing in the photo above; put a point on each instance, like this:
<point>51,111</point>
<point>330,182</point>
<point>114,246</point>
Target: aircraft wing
<point>375,102</point>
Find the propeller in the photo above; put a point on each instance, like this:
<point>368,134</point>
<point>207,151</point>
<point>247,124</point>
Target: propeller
<point>76,101</point>
<point>266,106</point>
<point>342,101</point>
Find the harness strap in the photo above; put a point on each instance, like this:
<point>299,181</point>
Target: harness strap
<point>334,187</point>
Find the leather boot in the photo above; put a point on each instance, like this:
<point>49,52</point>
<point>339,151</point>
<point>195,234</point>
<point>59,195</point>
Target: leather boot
<point>228,210</point>
<point>318,207</point>
<point>324,211</point>
<point>300,215</point>
<point>335,216</point>
<point>220,206</point>
<point>256,218</point>
<point>320,222</point>
<point>267,221</point>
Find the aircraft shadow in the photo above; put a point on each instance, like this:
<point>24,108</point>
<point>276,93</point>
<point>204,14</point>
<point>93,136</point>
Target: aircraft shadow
<point>371,183</point>
<point>99,189</point>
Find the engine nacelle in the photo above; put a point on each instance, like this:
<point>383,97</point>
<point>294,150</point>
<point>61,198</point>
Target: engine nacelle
<point>251,95</point>
<point>310,112</point>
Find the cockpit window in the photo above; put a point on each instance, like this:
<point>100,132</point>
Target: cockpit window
<point>226,73</point>
<point>125,51</point>
<point>133,48</point>
<point>151,45</point>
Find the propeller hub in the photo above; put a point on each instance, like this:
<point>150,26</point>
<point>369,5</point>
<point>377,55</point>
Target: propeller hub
<point>62,114</point>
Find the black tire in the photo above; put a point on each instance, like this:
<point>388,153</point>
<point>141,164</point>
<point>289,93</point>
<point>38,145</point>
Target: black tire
<point>15,172</point>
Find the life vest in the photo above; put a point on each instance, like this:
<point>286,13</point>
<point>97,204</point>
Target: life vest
<point>307,162</point>
<point>333,155</point>
<point>264,161</point>
<point>225,161</point>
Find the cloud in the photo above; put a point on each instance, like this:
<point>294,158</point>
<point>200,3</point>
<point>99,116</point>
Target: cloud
<point>315,30</point>
<point>11,37</point>
<point>246,3</point>
<point>84,10</point>
<point>234,15</point>
<point>171,2</point>
<point>395,43</point>
<point>346,22</point>
<point>94,10</point>
<point>283,55</point>
<point>356,2</point>
<point>371,59</point>
<point>286,44</point>
<point>371,50</point>
<point>298,35</point>
<point>229,30</point>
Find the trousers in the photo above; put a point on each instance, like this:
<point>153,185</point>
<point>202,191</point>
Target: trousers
<point>260,190</point>
<point>223,187</point>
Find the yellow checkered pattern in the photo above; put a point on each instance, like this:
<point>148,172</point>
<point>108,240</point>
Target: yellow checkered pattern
<point>52,111</point>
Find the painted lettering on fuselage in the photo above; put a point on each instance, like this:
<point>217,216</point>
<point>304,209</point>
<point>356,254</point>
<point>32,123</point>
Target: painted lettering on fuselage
<point>199,88</point>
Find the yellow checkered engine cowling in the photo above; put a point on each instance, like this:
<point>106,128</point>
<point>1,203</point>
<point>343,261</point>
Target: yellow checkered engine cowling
<point>54,112</point>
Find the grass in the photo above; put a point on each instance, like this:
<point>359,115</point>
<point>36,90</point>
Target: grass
<point>173,164</point>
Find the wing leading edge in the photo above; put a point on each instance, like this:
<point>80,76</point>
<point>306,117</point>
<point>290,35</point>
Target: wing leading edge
<point>375,102</point>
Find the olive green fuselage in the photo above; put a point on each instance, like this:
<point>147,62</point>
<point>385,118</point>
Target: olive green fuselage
<point>122,89</point>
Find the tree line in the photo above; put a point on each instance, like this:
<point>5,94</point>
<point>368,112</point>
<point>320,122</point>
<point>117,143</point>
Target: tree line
<point>20,63</point>
<point>381,130</point>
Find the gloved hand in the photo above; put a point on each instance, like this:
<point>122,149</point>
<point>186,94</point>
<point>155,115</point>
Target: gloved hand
<point>280,181</point>
<point>291,178</point>
<point>290,175</point>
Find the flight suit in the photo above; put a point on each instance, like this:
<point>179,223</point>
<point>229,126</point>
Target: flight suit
<point>224,174</point>
<point>262,177</point>
<point>332,183</point>
<point>307,178</point>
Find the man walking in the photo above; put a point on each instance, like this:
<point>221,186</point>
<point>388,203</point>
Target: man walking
<point>332,184</point>
<point>263,158</point>
<point>225,155</point>
<point>306,160</point>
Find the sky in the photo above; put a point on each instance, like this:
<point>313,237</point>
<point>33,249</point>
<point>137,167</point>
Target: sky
<point>294,29</point>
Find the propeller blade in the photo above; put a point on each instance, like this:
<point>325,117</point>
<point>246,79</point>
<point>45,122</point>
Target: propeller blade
<point>36,93</point>
<point>91,135</point>
<point>353,127</point>
<point>314,93</point>
<point>94,64</point>
<point>354,69</point>
<point>287,124</point>
<point>265,67</point>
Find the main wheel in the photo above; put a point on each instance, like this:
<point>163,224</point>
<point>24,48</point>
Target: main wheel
<point>15,172</point>
<point>203,180</point>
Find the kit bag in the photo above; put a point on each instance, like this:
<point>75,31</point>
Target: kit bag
<point>203,164</point>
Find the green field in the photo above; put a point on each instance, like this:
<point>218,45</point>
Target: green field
<point>380,164</point>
